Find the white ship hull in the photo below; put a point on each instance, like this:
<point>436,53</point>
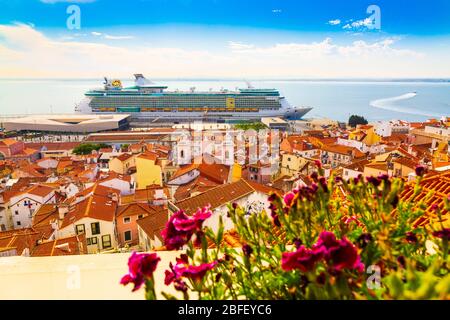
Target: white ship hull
<point>286,111</point>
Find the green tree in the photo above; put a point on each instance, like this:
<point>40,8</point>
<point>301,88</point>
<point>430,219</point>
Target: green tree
<point>87,148</point>
<point>354,120</point>
<point>250,125</point>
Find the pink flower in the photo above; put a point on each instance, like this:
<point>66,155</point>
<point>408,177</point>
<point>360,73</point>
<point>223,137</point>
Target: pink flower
<point>420,170</point>
<point>318,164</point>
<point>140,267</point>
<point>288,198</point>
<point>195,273</point>
<point>443,234</point>
<point>180,227</point>
<point>302,259</point>
<point>344,256</point>
<point>326,239</point>
<point>340,254</point>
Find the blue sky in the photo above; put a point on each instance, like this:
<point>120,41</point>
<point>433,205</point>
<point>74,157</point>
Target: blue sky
<point>266,38</point>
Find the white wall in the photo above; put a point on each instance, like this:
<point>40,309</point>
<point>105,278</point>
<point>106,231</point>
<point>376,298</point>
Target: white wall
<point>23,213</point>
<point>122,185</point>
<point>259,201</point>
<point>106,227</point>
<point>185,178</point>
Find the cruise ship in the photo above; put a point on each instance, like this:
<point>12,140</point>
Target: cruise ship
<point>147,101</point>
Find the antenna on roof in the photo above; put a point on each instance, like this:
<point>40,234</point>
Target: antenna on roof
<point>249,84</point>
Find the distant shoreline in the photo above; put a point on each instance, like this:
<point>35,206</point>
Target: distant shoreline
<point>430,80</point>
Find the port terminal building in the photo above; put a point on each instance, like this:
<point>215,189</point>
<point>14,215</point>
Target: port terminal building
<point>67,123</point>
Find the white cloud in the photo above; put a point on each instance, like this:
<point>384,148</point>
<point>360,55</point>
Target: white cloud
<point>334,22</point>
<point>359,24</point>
<point>239,45</point>
<point>110,37</point>
<point>66,1</point>
<point>26,52</point>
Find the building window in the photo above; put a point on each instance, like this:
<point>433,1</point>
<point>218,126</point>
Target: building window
<point>91,241</point>
<point>95,228</point>
<point>140,216</point>
<point>16,212</point>
<point>127,235</point>
<point>18,223</point>
<point>79,228</point>
<point>126,220</point>
<point>106,241</point>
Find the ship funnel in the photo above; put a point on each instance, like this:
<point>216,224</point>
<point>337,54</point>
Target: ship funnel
<point>140,80</point>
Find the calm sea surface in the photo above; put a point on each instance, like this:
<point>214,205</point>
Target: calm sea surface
<point>413,101</point>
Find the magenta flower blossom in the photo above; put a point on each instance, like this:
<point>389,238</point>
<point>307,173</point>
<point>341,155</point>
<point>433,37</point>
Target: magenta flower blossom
<point>373,180</point>
<point>420,171</point>
<point>140,267</point>
<point>195,273</point>
<point>289,198</point>
<point>443,234</point>
<point>247,250</point>
<point>303,259</point>
<point>339,254</point>
<point>344,256</point>
<point>326,239</point>
<point>318,164</point>
<point>323,184</point>
<point>411,237</point>
<point>314,176</point>
<point>180,227</point>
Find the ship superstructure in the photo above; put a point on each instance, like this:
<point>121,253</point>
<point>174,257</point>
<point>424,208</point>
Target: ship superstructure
<point>147,100</point>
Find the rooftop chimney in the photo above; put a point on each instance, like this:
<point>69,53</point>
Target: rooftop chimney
<point>62,210</point>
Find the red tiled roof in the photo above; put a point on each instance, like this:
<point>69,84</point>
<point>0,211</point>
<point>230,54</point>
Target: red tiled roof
<point>198,185</point>
<point>264,189</point>
<point>154,223</point>
<point>216,197</point>
<point>95,207</point>
<point>357,165</point>
<point>148,155</point>
<point>74,245</point>
<point>20,239</point>
<point>133,209</point>
<point>434,189</point>
<point>378,165</point>
<point>124,156</point>
<point>8,142</point>
<point>52,146</point>
<point>410,163</point>
<point>46,213</point>
<point>337,148</point>
<point>183,170</point>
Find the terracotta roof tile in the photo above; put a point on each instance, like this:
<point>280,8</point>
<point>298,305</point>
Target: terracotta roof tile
<point>154,223</point>
<point>74,245</point>
<point>216,197</point>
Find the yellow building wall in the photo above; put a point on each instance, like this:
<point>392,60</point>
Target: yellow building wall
<point>147,173</point>
<point>236,172</point>
<point>371,138</point>
<point>121,167</point>
<point>403,170</point>
<point>289,167</point>
<point>373,172</point>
